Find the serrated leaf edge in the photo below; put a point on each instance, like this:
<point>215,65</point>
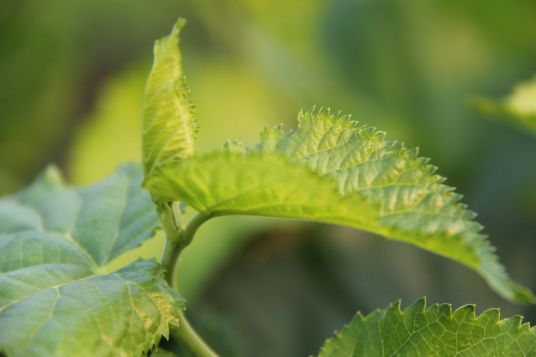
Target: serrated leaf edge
<point>516,321</point>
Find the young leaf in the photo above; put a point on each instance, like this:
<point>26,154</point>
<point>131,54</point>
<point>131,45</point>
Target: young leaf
<point>55,298</point>
<point>169,125</point>
<point>331,169</point>
<point>432,331</point>
<point>519,106</point>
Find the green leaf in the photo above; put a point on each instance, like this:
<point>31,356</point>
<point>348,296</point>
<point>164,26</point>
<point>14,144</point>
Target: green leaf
<point>55,297</point>
<point>231,183</point>
<point>103,221</point>
<point>519,106</point>
<point>169,125</point>
<point>330,169</point>
<point>432,331</point>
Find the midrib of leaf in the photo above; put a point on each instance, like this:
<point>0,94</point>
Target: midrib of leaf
<point>69,237</point>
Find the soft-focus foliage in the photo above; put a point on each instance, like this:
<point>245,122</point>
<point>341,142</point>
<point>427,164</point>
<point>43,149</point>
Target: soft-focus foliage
<point>519,106</point>
<point>55,297</point>
<point>432,331</point>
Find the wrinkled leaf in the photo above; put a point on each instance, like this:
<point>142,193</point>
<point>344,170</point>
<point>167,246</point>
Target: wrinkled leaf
<point>169,125</point>
<point>55,297</point>
<point>331,169</point>
<point>231,183</point>
<point>432,331</point>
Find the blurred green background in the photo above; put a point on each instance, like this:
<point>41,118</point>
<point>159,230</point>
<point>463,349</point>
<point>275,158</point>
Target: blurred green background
<point>71,82</point>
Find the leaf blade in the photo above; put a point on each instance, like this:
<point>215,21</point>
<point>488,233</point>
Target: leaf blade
<point>236,197</point>
<point>435,330</point>
<point>105,219</point>
<point>88,316</point>
<point>376,185</point>
<point>169,123</point>
<point>54,297</point>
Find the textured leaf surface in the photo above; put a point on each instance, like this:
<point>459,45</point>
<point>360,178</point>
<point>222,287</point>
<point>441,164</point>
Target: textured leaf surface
<point>519,106</point>
<point>55,298</point>
<point>231,183</point>
<point>169,125</point>
<point>432,331</point>
<point>333,170</point>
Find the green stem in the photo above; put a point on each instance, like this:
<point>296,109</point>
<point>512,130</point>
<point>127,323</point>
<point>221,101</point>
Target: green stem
<point>192,228</point>
<point>169,259</point>
<point>195,344</point>
<point>176,240</point>
<point>174,247</point>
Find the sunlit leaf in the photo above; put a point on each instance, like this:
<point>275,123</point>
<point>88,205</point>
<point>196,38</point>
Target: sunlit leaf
<point>55,297</point>
<point>331,169</point>
<point>432,331</point>
<point>169,125</point>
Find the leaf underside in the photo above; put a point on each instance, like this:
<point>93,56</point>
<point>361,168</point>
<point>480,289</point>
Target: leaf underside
<point>432,331</point>
<point>333,170</point>
<point>54,296</point>
<point>169,124</point>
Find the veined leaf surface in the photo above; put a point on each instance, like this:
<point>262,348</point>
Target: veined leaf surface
<point>333,170</point>
<point>232,183</point>
<point>169,125</point>
<point>55,298</point>
<point>432,331</point>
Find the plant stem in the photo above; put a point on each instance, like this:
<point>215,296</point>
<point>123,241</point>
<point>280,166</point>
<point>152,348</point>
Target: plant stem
<point>176,240</point>
<point>169,260</point>
<point>187,334</point>
<point>192,228</point>
<point>174,248</point>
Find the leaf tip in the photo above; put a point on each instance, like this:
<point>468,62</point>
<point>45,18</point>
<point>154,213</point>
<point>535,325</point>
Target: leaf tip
<point>52,176</point>
<point>465,312</point>
<point>179,24</point>
<point>524,295</point>
<point>493,315</point>
<point>418,306</point>
<point>170,41</point>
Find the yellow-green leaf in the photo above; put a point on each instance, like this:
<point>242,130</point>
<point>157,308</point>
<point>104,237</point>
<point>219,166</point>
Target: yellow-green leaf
<point>331,169</point>
<point>169,124</point>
